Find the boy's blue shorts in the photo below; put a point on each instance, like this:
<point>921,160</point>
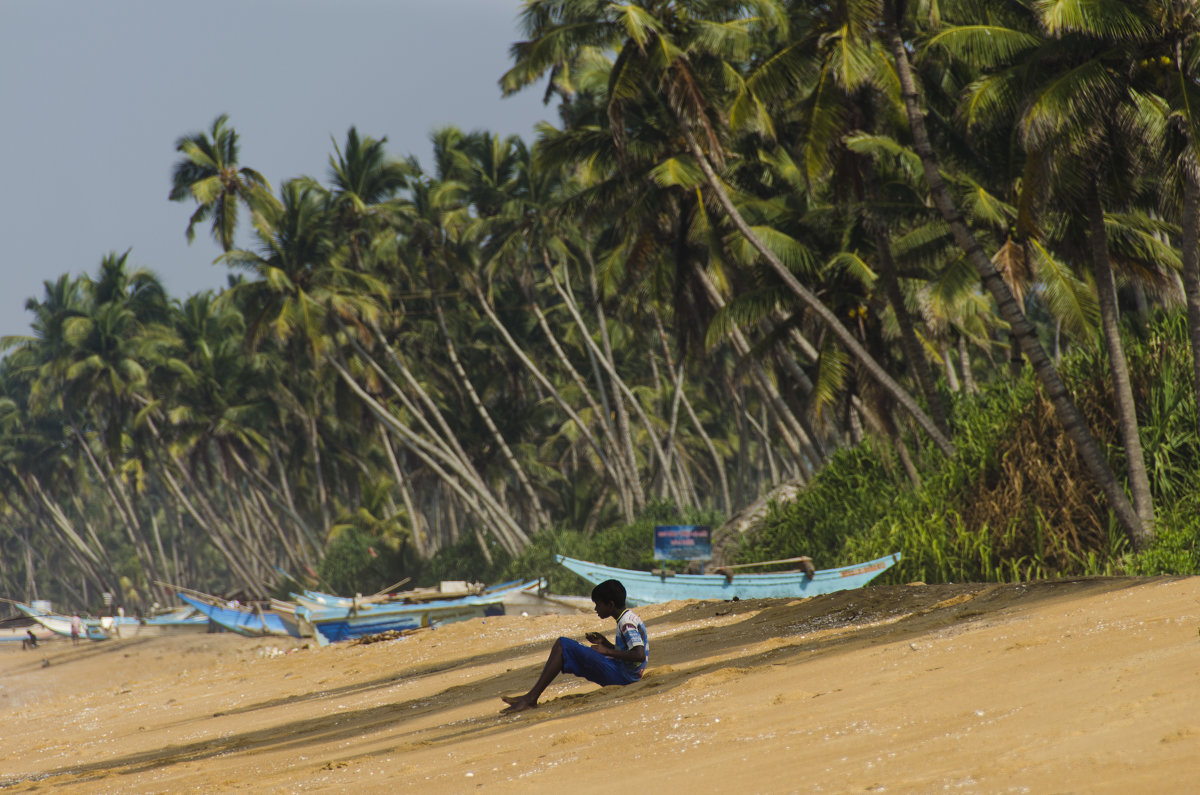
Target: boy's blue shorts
<point>592,665</point>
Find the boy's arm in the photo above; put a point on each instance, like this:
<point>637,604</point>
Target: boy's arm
<point>636,654</point>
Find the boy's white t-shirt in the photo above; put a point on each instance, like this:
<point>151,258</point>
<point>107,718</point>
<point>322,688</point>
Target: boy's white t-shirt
<point>631,633</point>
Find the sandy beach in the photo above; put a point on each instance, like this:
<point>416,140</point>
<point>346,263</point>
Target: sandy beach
<point>1066,686</point>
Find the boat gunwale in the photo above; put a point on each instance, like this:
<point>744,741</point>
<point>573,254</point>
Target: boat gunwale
<point>754,578</point>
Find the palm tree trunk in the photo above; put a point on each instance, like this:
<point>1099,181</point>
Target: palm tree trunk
<point>1190,245</point>
<point>765,446</point>
<point>162,555</point>
<point>285,486</point>
<point>1110,321</point>
<point>620,442</point>
<point>62,523</point>
<point>236,563</point>
<point>540,519</point>
<point>618,481</point>
<point>314,441</point>
<point>619,387</point>
<point>627,489</point>
<point>623,424</point>
<point>718,461</point>
<point>952,381</point>
<point>200,508</point>
<point>90,562</point>
<point>913,350</point>
<point>93,538</point>
<point>444,445</point>
<point>305,540</point>
<point>1073,422</point>
<point>120,501</point>
<point>805,384</point>
<point>447,438</point>
<point>465,482</point>
<point>964,363</point>
<point>414,524</point>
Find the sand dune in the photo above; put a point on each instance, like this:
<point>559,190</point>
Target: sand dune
<point>1068,686</point>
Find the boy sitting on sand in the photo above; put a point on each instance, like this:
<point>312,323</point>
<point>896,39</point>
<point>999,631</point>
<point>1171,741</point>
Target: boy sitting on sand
<point>604,663</point>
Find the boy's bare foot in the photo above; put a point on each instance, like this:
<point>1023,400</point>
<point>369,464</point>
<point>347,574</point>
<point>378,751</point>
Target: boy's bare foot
<point>516,704</point>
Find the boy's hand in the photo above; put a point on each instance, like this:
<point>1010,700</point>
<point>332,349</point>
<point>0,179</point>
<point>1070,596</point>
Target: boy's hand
<point>596,639</point>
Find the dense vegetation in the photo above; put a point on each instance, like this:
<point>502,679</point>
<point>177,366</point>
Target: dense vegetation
<point>768,243</point>
<point>1015,504</point>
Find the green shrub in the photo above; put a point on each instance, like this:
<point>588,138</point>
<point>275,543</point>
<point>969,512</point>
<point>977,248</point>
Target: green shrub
<point>356,562</point>
<point>1176,545</point>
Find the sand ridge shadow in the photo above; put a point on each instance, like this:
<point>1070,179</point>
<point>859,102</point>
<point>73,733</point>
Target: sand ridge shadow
<point>838,623</point>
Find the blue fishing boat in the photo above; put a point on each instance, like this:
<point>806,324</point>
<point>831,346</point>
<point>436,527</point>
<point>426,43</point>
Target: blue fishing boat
<point>251,621</point>
<point>446,590</point>
<point>186,617</point>
<point>644,587</point>
<point>358,618</point>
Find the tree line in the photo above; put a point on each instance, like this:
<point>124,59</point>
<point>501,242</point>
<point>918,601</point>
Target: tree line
<point>758,232</point>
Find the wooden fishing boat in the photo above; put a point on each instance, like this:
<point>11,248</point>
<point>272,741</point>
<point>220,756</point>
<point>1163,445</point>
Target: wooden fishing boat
<point>644,587</point>
<point>251,620</point>
<point>529,603</point>
<point>169,622</point>
<point>186,617</point>
<point>343,622</point>
<point>93,629</point>
<point>294,624</point>
<point>445,590</point>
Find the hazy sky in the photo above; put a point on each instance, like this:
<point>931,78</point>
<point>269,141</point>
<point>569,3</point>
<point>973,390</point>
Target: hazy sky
<point>93,96</point>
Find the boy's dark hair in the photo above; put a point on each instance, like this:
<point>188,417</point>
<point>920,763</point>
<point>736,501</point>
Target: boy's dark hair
<point>610,591</point>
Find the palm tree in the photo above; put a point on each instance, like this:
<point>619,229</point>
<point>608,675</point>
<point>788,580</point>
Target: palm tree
<point>363,200</point>
<point>209,174</point>
<point>1010,310</point>
<point>1168,70</point>
<point>847,93</point>
<point>299,284</point>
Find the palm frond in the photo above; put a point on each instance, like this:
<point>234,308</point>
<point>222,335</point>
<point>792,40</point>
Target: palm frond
<point>677,172</point>
<point>1103,19</point>
<point>1070,300</point>
<point>983,46</point>
<point>832,370</point>
<point>849,263</point>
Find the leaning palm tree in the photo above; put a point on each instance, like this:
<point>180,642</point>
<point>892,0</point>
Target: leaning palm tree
<point>894,37</point>
<point>209,173</point>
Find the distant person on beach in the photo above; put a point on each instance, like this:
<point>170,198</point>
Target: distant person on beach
<point>30,642</point>
<point>76,628</point>
<point>604,663</point>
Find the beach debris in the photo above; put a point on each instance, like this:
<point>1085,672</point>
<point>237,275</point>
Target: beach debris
<point>391,634</point>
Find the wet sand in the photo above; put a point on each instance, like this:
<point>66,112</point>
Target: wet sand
<point>1067,686</point>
